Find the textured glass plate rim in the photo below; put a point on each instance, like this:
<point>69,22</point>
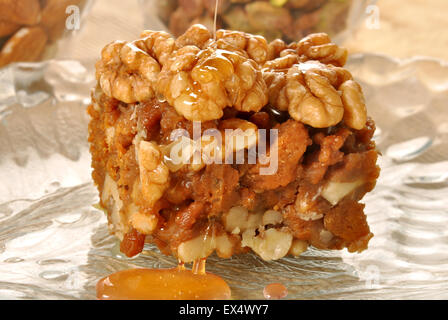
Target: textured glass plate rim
<point>165,261</point>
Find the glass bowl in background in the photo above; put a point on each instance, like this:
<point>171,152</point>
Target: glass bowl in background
<point>30,29</point>
<point>289,20</point>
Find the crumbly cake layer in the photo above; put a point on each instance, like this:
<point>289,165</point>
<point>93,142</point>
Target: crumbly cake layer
<point>153,87</point>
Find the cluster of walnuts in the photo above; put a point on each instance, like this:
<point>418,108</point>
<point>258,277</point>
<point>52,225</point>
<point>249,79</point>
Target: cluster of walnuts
<point>200,74</point>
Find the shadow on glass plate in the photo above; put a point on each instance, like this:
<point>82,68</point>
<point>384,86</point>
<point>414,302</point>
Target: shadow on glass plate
<point>55,245</point>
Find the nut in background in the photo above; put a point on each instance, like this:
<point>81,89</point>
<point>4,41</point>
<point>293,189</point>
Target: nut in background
<point>289,20</point>
<point>29,29</point>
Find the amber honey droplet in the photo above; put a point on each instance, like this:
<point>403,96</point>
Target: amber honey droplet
<point>275,291</point>
<point>162,284</point>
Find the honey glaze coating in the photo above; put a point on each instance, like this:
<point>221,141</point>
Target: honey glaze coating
<point>163,284</point>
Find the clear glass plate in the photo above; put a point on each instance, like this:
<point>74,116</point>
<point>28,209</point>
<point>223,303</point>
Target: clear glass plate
<point>55,245</point>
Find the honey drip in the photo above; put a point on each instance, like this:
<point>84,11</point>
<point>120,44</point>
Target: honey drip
<point>164,284</point>
<point>199,266</point>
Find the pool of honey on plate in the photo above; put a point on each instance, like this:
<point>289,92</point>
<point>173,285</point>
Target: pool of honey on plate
<point>164,284</point>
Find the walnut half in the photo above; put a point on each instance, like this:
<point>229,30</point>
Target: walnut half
<point>316,94</point>
<point>154,173</point>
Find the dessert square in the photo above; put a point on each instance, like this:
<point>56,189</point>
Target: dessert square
<point>227,143</point>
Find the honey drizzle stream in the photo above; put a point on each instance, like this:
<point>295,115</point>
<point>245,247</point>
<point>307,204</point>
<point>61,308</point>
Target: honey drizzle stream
<point>199,264</point>
<point>215,19</point>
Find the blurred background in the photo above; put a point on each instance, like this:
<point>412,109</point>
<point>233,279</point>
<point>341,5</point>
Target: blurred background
<point>79,29</point>
<point>399,28</point>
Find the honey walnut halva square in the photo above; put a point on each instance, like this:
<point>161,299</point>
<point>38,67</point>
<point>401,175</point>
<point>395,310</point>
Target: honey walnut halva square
<point>153,87</point>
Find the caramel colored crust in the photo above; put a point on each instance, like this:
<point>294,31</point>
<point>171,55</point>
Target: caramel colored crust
<point>193,210</point>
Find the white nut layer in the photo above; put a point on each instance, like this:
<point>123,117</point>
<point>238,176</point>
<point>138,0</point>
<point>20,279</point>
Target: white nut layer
<point>272,217</point>
<point>334,192</point>
<point>203,246</point>
<point>110,195</point>
<point>298,247</point>
<point>271,244</point>
<point>238,219</point>
<point>143,223</point>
